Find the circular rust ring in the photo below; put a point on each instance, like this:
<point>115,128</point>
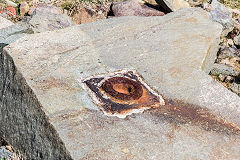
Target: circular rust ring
<point>132,90</point>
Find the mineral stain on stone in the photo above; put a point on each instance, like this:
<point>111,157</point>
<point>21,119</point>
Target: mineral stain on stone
<point>122,93</point>
<point>180,112</point>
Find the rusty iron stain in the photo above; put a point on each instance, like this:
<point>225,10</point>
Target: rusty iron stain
<point>122,88</point>
<point>119,93</point>
<point>122,93</point>
<point>193,114</point>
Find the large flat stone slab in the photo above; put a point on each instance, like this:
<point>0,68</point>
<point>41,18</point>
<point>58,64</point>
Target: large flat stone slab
<point>47,114</point>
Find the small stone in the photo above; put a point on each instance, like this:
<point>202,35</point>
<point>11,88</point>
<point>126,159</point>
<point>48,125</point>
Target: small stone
<point>222,69</point>
<point>237,40</point>
<point>226,52</point>
<point>24,8</point>
<point>222,77</point>
<point>45,8</point>
<point>10,3</point>
<point>229,79</point>
<point>222,15</point>
<point>230,42</point>
<point>235,88</point>
<point>207,7</point>
<point>133,8</point>
<point>83,16</point>
<point>100,12</point>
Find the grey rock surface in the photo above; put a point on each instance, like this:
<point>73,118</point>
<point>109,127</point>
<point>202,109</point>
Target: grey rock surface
<point>38,22</point>
<point>223,69</point>
<point>4,22</point>
<point>45,21</point>
<point>223,16</point>
<point>14,32</point>
<point>46,105</point>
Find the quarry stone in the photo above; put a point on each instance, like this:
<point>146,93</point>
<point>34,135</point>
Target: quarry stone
<point>47,114</point>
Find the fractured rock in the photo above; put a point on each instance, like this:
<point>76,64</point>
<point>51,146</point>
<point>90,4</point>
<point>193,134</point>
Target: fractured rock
<point>45,102</point>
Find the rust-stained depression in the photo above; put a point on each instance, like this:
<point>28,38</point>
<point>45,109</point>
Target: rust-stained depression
<point>122,93</point>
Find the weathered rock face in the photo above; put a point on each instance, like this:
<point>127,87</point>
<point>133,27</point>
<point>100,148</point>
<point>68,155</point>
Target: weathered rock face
<point>41,21</point>
<point>173,5</point>
<point>44,101</point>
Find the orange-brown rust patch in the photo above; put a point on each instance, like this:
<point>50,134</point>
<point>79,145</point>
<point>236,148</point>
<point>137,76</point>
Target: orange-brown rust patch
<point>122,88</point>
<point>122,93</point>
<point>192,114</point>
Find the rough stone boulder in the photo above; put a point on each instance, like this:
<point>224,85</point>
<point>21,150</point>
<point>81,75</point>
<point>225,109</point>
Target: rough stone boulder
<point>173,5</point>
<point>133,8</point>
<point>47,112</point>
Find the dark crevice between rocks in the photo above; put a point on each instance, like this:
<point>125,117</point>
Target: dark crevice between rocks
<point>165,10</point>
<point>3,142</point>
<point>2,45</point>
<point>110,12</point>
